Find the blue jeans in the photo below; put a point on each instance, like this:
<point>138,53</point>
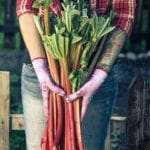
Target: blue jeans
<point>94,125</point>
<point>96,121</point>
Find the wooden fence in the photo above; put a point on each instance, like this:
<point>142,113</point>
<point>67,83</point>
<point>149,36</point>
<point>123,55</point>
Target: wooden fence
<point>138,124</point>
<point>16,121</point>
<point>125,133</point>
<point>139,40</point>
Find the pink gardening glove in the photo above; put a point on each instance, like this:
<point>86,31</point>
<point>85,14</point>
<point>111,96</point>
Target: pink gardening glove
<point>88,89</point>
<point>40,66</point>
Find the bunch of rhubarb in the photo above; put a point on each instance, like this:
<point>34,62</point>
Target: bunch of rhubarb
<point>71,41</point>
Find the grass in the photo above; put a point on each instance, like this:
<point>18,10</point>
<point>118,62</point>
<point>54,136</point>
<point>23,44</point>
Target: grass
<point>19,142</point>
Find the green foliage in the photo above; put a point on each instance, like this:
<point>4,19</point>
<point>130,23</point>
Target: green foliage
<point>101,26</point>
<point>15,94</point>
<point>67,35</point>
<point>77,77</point>
<point>14,78</point>
<point>43,3</point>
<point>17,140</point>
<point>17,42</point>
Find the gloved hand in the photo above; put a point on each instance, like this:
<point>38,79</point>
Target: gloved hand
<point>88,89</point>
<point>40,66</point>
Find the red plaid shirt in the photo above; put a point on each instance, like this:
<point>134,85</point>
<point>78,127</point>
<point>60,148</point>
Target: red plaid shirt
<point>125,10</point>
<point>24,6</point>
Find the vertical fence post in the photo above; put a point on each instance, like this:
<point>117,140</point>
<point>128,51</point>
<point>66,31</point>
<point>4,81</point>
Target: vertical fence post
<point>116,136</point>
<point>136,113</point>
<point>107,141</point>
<point>147,117</point>
<point>118,133</point>
<point>4,110</point>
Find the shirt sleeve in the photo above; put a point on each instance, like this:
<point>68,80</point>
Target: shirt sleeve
<point>55,7</point>
<point>24,6</point>
<point>125,14</point>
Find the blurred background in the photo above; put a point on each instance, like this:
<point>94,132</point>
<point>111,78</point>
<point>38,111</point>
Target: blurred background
<point>134,59</point>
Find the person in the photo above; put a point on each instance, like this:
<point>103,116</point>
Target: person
<point>99,92</point>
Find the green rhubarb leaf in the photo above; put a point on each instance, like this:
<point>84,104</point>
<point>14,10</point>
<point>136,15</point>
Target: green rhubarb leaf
<point>59,26</point>
<point>76,39</point>
<point>84,30</point>
<point>84,60</point>
<point>77,77</point>
<point>57,44</point>
<point>106,31</point>
<point>43,3</point>
<point>70,17</point>
<point>37,4</point>
<point>47,3</point>
<point>100,27</point>
<point>37,20</point>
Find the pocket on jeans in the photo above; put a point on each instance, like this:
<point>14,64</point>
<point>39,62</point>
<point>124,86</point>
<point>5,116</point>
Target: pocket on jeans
<point>30,83</point>
<point>28,70</point>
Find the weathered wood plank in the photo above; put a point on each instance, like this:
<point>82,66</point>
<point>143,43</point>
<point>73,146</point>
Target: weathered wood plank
<point>4,110</point>
<point>139,114</point>
<point>146,116</point>
<point>16,122</point>
<point>118,133</point>
<point>107,141</point>
<point>135,113</point>
<point>118,127</point>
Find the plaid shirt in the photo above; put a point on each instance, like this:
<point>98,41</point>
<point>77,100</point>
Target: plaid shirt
<point>125,10</point>
<point>24,6</point>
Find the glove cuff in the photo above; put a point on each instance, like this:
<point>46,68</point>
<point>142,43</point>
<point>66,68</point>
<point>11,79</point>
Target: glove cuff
<point>38,58</point>
<point>102,69</point>
<point>39,62</point>
<point>100,74</point>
